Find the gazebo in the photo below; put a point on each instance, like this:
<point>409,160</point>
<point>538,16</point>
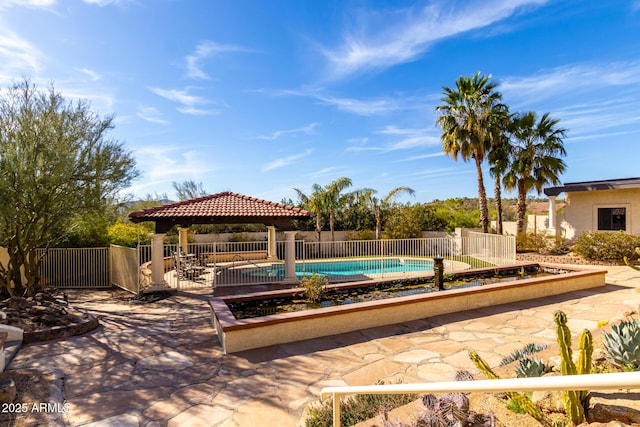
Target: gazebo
<point>220,208</point>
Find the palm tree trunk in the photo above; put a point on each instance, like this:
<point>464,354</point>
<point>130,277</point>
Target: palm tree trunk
<point>498,196</point>
<point>521,207</point>
<point>331,222</point>
<point>482,198</point>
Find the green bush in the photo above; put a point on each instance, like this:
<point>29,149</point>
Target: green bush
<point>314,287</point>
<point>126,234</point>
<point>541,243</point>
<point>606,246</point>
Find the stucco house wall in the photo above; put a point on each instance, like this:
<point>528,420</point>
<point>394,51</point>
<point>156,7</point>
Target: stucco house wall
<point>610,205</point>
<point>582,208</point>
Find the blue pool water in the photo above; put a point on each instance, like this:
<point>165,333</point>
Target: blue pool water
<point>354,267</point>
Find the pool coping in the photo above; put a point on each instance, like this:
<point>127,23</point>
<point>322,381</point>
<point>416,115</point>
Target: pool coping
<point>244,334</point>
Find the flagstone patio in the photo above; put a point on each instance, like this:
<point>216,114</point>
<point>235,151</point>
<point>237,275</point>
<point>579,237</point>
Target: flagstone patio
<point>160,364</point>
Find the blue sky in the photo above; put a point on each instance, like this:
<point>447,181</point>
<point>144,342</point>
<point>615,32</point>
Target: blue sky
<point>260,97</point>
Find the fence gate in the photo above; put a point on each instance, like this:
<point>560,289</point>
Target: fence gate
<point>125,270</point>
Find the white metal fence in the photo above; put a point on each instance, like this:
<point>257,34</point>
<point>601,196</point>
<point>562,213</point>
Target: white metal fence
<point>230,263</point>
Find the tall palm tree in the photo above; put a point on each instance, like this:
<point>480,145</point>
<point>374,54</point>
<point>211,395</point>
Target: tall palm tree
<point>316,203</point>
<point>535,158</point>
<point>379,207</point>
<point>465,118</point>
<point>499,159</point>
<point>335,200</point>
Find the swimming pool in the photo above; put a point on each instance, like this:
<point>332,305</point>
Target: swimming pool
<point>356,267</point>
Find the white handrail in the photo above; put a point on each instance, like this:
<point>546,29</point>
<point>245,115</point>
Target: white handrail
<point>610,381</point>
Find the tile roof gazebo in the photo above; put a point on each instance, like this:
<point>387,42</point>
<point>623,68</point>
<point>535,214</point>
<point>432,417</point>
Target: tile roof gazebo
<point>220,208</point>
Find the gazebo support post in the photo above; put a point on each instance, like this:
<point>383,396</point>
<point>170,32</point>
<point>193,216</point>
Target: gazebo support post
<point>552,216</point>
<point>290,256</point>
<point>183,240</point>
<point>157,259</point>
<point>271,243</point>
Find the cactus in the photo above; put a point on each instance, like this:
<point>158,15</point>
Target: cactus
<point>585,352</point>
<point>626,261</point>
<point>573,400</point>
<point>452,409</point>
<point>520,399</point>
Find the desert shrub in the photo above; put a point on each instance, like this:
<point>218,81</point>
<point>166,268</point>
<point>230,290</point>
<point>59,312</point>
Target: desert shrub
<point>606,246</point>
<point>541,243</point>
<point>358,408</point>
<point>361,235</point>
<point>241,238</point>
<point>314,287</point>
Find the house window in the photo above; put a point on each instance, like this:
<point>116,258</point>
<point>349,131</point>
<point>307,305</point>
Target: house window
<point>612,219</point>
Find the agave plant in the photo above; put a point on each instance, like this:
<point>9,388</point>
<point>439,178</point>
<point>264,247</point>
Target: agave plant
<point>531,367</point>
<point>525,351</point>
<point>622,344</point>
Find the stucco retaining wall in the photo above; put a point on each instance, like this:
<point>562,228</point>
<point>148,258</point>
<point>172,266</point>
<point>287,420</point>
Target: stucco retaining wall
<point>237,335</point>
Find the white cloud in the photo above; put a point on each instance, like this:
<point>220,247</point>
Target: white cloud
<point>584,77</point>
<point>277,134</point>
<point>166,163</point>
<point>5,4</point>
<point>189,103</point>
<point>401,36</point>
<point>193,111</point>
<point>151,115</point>
<point>410,138</point>
<point>284,161</point>
<point>361,107</point>
<point>92,74</point>
<point>102,3</point>
<point>18,56</point>
<point>203,51</point>
<point>423,156</point>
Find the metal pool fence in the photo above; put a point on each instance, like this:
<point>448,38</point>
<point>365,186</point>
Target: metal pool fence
<point>234,263</point>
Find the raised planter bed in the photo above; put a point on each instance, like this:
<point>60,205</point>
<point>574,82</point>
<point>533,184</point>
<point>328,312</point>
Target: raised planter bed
<point>244,334</point>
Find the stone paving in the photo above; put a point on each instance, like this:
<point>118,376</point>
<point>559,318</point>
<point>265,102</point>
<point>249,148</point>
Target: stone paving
<point>160,364</point>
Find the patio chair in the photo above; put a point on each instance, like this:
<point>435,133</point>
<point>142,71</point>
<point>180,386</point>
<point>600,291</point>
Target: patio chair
<point>186,269</point>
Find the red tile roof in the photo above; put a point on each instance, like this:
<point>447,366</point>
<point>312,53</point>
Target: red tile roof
<point>220,205</point>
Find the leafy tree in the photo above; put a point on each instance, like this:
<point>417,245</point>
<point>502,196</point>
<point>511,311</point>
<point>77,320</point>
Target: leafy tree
<point>56,162</point>
<point>189,190</point>
<point>534,159</point>
<point>404,223</point>
<point>379,207</point>
<point>466,119</point>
